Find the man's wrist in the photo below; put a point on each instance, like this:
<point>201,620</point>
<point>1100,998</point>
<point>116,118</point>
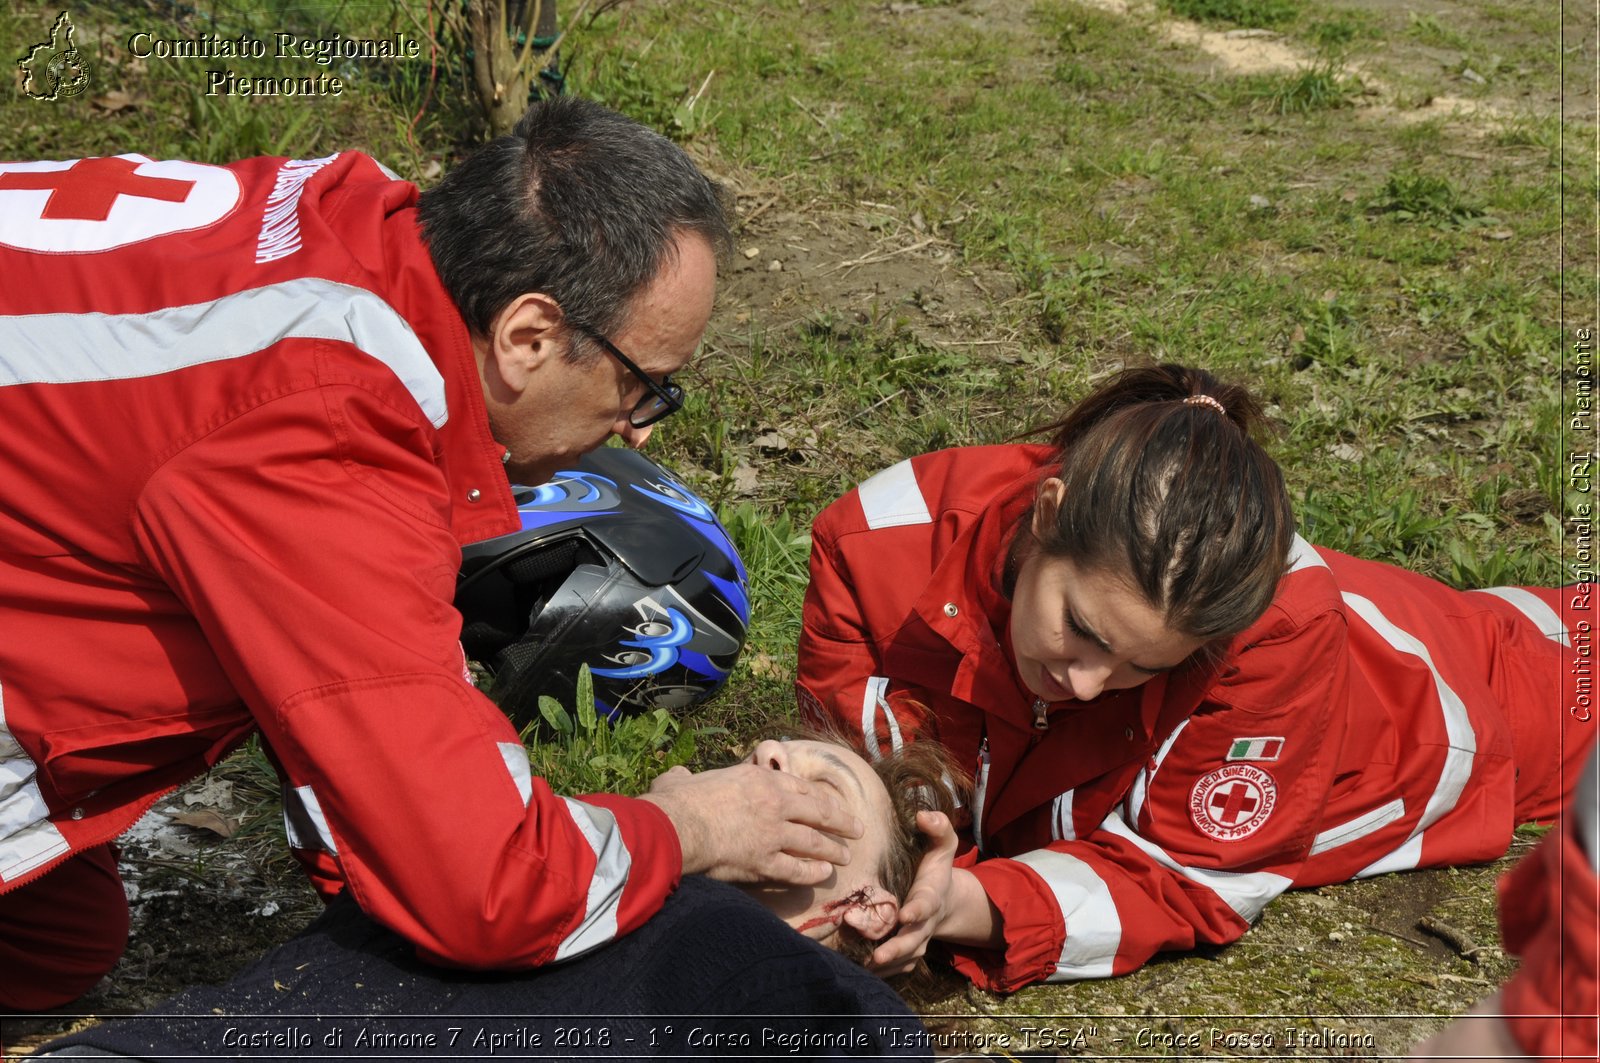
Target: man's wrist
<point>685,830</point>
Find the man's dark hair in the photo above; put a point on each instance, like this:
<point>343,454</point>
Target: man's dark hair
<point>579,203</point>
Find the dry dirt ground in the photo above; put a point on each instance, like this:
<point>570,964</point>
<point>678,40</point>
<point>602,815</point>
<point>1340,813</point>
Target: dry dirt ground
<point>205,905</point>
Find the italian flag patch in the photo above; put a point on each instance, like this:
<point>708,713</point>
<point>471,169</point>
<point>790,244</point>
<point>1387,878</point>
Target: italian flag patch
<point>1255,748</point>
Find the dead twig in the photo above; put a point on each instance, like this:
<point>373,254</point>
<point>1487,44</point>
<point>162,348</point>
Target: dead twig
<point>872,260</point>
<point>810,114</point>
<point>754,214</point>
<point>1455,938</point>
<point>1407,938</point>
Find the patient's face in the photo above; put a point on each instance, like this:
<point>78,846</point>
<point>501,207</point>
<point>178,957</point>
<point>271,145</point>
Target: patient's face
<point>853,894</point>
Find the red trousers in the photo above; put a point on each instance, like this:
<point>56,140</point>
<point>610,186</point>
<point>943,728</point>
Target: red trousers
<point>62,932</point>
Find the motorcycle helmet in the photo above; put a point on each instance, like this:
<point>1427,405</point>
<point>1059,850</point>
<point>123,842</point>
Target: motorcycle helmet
<point>618,566</point>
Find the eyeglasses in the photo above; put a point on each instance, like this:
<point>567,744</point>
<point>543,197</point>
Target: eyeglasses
<point>658,401</point>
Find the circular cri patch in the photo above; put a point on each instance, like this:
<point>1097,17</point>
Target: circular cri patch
<point>1232,802</point>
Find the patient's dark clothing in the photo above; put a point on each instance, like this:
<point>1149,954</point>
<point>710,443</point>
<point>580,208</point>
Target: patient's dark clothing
<point>712,975</point>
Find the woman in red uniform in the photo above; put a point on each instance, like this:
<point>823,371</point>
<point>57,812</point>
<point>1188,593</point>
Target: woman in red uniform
<point>1174,707</point>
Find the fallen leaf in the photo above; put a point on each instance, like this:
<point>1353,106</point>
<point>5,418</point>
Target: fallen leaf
<point>113,101</point>
<point>768,667</point>
<point>1346,452</point>
<point>745,478</point>
<point>208,819</point>
<point>217,793</point>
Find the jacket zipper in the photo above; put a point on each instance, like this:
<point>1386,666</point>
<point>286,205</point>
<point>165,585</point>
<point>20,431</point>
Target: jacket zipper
<point>979,793</point>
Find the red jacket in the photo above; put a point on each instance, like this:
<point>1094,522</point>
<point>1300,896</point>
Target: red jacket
<point>1371,720</point>
<point>1550,917</point>
<point>243,437</point>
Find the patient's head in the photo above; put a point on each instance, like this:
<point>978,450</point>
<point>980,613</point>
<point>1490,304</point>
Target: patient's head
<point>860,903</point>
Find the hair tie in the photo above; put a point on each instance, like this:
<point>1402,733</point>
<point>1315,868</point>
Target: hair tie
<point>1206,400</point>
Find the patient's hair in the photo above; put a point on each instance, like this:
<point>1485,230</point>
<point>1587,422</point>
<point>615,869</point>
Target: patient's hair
<point>920,777</point>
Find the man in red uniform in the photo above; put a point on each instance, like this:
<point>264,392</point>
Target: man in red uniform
<point>248,414</point>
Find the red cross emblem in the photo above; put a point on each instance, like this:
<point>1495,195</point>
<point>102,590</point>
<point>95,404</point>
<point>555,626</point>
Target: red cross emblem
<point>1232,802</point>
<point>97,204</point>
<point>88,189</point>
<point>1239,799</point>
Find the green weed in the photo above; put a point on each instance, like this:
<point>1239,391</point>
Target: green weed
<point>1374,521</point>
<point>775,550</point>
<point>1253,13</point>
<point>224,129</point>
<point>1319,87</point>
<point>582,752</point>
<point>1335,35</point>
<point>1429,30</point>
<point>1411,195</point>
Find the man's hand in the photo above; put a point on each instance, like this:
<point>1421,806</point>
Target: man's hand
<point>750,824</point>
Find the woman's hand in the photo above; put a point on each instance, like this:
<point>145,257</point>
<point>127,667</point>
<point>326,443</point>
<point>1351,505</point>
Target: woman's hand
<point>944,902</point>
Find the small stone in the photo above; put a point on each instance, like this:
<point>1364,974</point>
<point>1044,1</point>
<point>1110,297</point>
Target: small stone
<point>1346,452</point>
<point>751,252</point>
<point>1473,76</point>
<point>774,266</point>
<point>1260,202</point>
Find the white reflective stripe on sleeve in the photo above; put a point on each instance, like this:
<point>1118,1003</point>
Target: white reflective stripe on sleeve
<point>390,174</point>
<point>1246,892</point>
<point>1534,608</point>
<point>311,810</point>
<point>1461,742</point>
<point>1586,809</point>
<point>516,758</point>
<point>78,348</point>
<point>1141,784</point>
<point>611,867</point>
<point>1303,555</point>
<point>27,837</point>
<point>1061,828</point>
<point>892,498</point>
<point>1359,827</point>
<point>1094,929</point>
<point>31,847</point>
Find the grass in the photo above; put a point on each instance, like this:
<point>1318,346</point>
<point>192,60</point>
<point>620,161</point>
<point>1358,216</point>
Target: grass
<point>1255,13</point>
<point>1099,193</point>
<point>582,752</point>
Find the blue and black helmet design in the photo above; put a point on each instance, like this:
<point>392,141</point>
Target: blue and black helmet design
<point>618,566</point>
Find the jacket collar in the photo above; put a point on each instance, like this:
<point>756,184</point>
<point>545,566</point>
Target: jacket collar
<point>481,504</point>
<point>964,602</point>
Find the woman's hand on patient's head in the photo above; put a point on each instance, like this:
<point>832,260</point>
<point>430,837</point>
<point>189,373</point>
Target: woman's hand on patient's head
<point>927,902</point>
